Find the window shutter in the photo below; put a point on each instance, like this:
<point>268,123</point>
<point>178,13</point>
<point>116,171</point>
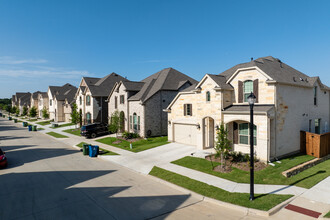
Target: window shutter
<point>256,89</point>
<point>235,136</point>
<point>240,91</point>
<point>190,109</point>
<point>184,109</point>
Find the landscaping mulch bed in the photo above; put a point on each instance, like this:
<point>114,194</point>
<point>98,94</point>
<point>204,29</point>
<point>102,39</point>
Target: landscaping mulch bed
<point>239,165</point>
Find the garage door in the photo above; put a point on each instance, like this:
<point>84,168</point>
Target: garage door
<point>185,134</point>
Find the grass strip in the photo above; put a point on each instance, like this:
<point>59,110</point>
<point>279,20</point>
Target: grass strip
<point>44,122</point>
<point>141,145</point>
<point>57,135</point>
<point>105,152</point>
<point>63,125</point>
<point>32,120</point>
<point>269,175</point>
<point>73,131</point>
<point>262,201</point>
<point>327,215</point>
<point>40,129</point>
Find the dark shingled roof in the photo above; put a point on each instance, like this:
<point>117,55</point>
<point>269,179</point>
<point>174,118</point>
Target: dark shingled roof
<point>221,81</point>
<point>66,91</point>
<point>44,94</point>
<point>102,86</point>
<point>25,99</point>
<point>246,108</point>
<point>190,88</point>
<point>35,95</point>
<point>276,69</point>
<point>166,79</point>
<point>132,86</point>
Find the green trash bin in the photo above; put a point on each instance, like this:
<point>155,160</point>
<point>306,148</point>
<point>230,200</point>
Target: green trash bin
<point>86,149</point>
<point>15,120</point>
<point>9,118</point>
<point>25,124</point>
<point>34,127</point>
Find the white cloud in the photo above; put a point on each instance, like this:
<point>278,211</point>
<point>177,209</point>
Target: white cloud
<point>35,73</point>
<point>13,61</point>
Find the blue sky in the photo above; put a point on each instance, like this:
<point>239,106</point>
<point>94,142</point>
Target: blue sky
<point>48,42</point>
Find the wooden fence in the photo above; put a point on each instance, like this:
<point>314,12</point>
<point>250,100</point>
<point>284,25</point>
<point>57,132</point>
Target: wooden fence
<point>317,145</point>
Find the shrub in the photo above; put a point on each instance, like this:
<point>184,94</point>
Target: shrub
<point>128,135</point>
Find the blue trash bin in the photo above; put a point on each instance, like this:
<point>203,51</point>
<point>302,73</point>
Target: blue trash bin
<point>93,149</point>
<point>30,127</point>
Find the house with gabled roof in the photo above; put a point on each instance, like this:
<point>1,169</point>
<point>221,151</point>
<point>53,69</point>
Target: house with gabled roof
<point>16,97</point>
<point>34,100</point>
<point>287,101</point>
<point>140,104</point>
<point>23,99</point>
<point>43,103</point>
<point>59,109</point>
<point>91,97</point>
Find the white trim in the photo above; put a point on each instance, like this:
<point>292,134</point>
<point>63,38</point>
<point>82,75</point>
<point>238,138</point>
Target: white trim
<point>248,68</point>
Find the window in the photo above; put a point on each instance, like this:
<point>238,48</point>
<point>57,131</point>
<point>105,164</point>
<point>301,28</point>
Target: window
<point>116,100</point>
<point>88,100</point>
<point>248,88</point>
<point>121,101</point>
<point>310,126</point>
<point>317,126</point>
<point>138,123</point>
<point>135,121</point>
<point>88,118</point>
<point>130,122</point>
<point>244,136</point>
<point>50,102</point>
<point>208,96</point>
<point>315,95</point>
<point>187,108</point>
<point>80,100</point>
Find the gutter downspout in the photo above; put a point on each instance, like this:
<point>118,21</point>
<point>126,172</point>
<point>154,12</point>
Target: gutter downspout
<point>275,119</point>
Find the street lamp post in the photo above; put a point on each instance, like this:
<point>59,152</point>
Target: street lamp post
<point>251,100</point>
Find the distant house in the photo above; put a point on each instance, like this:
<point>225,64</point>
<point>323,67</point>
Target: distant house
<point>16,97</point>
<point>43,102</point>
<point>24,99</point>
<point>34,100</point>
<point>59,110</point>
<point>140,104</point>
<point>91,96</point>
<point>287,101</point>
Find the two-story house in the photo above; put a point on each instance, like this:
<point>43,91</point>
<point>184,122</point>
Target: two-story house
<point>287,101</point>
<point>16,97</point>
<point>140,104</point>
<point>34,100</point>
<point>43,103</point>
<point>91,97</point>
<point>24,100</point>
<point>58,109</point>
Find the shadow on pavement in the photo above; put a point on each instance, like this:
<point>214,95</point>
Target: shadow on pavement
<point>11,137</point>
<point>10,128</point>
<point>14,147</point>
<point>52,195</point>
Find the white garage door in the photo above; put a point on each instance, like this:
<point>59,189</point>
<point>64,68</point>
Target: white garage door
<point>185,134</point>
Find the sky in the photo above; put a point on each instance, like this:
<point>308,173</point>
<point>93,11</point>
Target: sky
<point>45,42</point>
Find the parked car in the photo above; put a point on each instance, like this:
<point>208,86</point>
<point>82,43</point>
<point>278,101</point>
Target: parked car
<point>3,159</point>
<point>93,130</point>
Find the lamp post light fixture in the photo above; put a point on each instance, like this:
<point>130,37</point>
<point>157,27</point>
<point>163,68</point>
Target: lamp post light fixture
<point>251,100</point>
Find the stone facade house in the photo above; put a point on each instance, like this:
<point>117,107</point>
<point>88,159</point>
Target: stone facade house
<point>140,104</point>
<point>34,100</point>
<point>15,98</point>
<point>287,101</point>
<point>23,100</point>
<point>59,110</point>
<point>43,102</point>
<point>91,97</point>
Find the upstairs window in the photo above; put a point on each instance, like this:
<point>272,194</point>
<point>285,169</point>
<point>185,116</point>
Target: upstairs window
<point>208,96</point>
<point>116,102</point>
<point>315,95</point>
<point>80,100</point>
<point>187,110</point>
<point>248,88</point>
<point>121,101</point>
<point>244,134</point>
<point>50,102</point>
<point>88,100</point>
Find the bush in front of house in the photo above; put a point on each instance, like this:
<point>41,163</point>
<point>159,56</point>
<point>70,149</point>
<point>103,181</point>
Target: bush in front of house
<point>128,135</point>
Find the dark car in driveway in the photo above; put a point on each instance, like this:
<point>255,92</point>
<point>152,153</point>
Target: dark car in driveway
<point>3,159</point>
<point>94,130</point>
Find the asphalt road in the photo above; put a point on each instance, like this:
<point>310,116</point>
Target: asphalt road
<point>47,179</point>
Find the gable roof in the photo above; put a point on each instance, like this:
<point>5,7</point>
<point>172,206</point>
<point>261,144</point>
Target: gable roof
<point>25,99</point>
<point>61,93</point>
<point>166,79</point>
<point>275,69</point>
<point>35,95</point>
<point>220,81</point>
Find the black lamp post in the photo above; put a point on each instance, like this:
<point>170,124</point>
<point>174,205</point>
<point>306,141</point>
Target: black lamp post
<point>251,100</point>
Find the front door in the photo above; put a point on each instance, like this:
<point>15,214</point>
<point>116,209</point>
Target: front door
<point>208,132</point>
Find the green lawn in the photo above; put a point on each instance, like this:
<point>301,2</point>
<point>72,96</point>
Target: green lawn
<point>32,120</point>
<point>57,135</point>
<point>327,215</point>
<point>138,146</point>
<point>269,175</point>
<point>64,125</point>
<point>105,152</point>
<point>44,122</point>
<point>39,129</point>
<point>73,131</point>
<point>261,201</point>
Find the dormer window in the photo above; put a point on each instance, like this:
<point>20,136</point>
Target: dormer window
<point>248,88</point>
<point>208,96</point>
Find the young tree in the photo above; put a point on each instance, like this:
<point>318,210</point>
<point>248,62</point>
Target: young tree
<point>25,110</point>
<point>114,122</point>
<point>14,109</point>
<point>17,111</point>
<point>8,109</point>
<point>45,113</point>
<point>75,114</point>
<point>33,112</point>
<point>222,146</point>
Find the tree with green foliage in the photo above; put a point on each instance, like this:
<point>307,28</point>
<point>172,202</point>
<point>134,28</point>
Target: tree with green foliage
<point>75,114</point>
<point>114,122</point>
<point>44,112</point>
<point>33,112</point>
<point>8,109</point>
<point>14,109</point>
<point>17,111</point>
<point>25,110</point>
<point>222,146</point>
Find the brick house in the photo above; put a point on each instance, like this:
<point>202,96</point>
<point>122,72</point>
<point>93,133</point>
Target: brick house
<point>91,97</point>
<point>59,110</point>
<point>43,102</point>
<point>34,100</point>
<point>287,101</point>
<point>140,104</point>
